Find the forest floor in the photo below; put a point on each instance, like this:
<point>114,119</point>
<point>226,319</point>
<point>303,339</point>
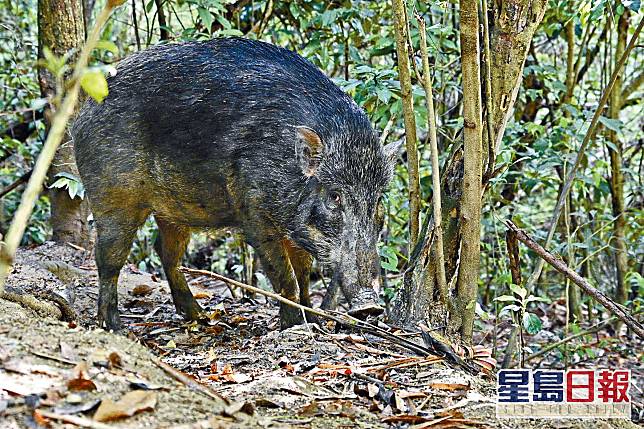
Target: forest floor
<point>249,373</point>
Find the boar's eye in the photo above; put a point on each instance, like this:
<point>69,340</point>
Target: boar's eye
<point>334,199</point>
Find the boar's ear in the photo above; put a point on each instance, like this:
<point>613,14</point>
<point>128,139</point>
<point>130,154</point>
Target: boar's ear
<point>308,149</point>
<point>392,151</point>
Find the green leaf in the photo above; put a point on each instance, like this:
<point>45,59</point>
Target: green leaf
<point>509,308</point>
<point>390,263</point>
<point>384,94</point>
<point>506,298</point>
<point>533,298</point>
<point>531,323</point>
<point>611,124</point>
<point>67,175</point>
<point>70,182</point>
<point>522,292</point>
<point>206,18</point>
<point>106,45</point>
<point>620,9</point>
<point>293,7</point>
<point>95,85</point>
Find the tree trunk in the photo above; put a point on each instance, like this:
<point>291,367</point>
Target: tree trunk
<point>163,25</point>
<point>400,19</point>
<point>88,8</point>
<point>61,28</point>
<point>512,24</point>
<point>617,175</point>
<point>468,271</point>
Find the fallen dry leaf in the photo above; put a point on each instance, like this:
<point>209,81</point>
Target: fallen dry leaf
<point>22,367</point>
<point>310,409</point>
<point>237,319</point>
<point>24,385</point>
<point>80,384</point>
<point>68,351</point>
<point>237,378</point>
<point>81,381</point>
<point>449,386</point>
<point>202,295</point>
<point>372,389</point>
<point>239,407</point>
<point>114,361</point>
<point>83,407</point>
<point>130,404</point>
<point>227,374</point>
<point>141,290</point>
<point>40,420</point>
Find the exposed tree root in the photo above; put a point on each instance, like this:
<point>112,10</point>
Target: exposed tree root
<point>46,304</point>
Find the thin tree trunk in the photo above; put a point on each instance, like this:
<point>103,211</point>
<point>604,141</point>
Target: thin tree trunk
<point>61,28</point>
<point>135,21</point>
<point>574,301</point>
<point>439,256</point>
<point>572,294</point>
<point>400,19</point>
<point>468,273</point>
<point>88,8</point>
<point>163,26</point>
<point>617,176</point>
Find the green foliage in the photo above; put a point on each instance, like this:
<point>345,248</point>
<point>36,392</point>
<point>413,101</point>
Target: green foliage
<point>70,182</point>
<point>94,84</point>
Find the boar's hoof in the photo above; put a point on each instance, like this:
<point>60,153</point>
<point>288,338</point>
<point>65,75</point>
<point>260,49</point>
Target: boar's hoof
<point>290,317</point>
<point>111,322</point>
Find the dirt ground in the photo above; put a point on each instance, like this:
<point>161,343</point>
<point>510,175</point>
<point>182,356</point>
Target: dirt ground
<point>239,370</point>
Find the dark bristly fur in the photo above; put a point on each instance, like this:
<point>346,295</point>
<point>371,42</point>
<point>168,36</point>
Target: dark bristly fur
<point>234,133</point>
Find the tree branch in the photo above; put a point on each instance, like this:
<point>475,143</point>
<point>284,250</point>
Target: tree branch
<point>560,266</point>
<point>632,86</point>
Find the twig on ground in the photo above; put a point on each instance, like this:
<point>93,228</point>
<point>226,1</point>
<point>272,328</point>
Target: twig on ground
<point>54,358</point>
<point>190,383</point>
<point>560,266</point>
<point>83,422</point>
<point>346,320</point>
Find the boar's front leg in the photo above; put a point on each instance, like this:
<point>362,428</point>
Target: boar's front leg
<point>273,255</point>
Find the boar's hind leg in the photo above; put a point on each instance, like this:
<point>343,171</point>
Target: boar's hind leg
<point>273,255</point>
<point>116,231</point>
<point>170,245</point>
